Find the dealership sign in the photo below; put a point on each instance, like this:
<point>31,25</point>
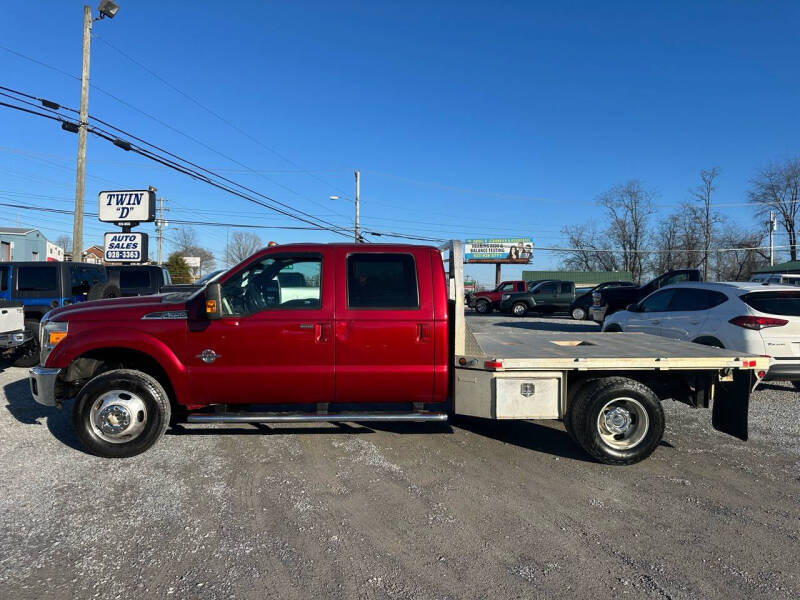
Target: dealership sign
<point>498,250</point>
<point>125,247</point>
<point>127,206</point>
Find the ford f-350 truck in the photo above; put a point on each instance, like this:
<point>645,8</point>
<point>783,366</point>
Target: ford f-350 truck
<point>360,333</point>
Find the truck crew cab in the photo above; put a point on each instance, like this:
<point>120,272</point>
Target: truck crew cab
<point>359,333</point>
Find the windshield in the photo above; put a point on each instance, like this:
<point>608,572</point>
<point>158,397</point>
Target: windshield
<point>210,277</point>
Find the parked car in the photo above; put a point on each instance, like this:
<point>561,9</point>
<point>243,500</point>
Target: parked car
<point>779,278</point>
<point>749,317</point>
<point>41,286</point>
<point>486,302</point>
<point>546,296</point>
<point>138,280</point>
<point>608,301</point>
<point>12,326</point>
<point>579,309</point>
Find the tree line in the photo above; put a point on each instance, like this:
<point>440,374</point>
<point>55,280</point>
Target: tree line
<point>694,236</point>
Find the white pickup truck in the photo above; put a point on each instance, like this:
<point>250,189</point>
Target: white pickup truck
<point>12,326</point>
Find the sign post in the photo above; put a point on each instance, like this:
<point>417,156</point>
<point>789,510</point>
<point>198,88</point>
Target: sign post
<point>126,209</point>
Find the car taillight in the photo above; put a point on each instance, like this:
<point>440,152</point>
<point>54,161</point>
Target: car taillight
<point>757,323</point>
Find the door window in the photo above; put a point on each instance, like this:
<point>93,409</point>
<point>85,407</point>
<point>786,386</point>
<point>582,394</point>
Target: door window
<point>690,299</point>
<point>83,278</point>
<point>37,279</point>
<point>274,283</point>
<point>658,302</point>
<point>566,288</point>
<point>547,288</point>
<point>378,281</point>
<point>506,287</point>
<point>3,279</point>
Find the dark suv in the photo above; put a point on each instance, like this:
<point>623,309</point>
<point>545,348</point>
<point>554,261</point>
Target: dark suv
<point>138,280</point>
<point>40,286</point>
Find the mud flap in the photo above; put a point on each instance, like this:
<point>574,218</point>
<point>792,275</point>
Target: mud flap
<point>731,404</point>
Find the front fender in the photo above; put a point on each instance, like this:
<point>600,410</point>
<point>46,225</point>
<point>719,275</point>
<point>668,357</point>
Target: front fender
<point>122,338</point>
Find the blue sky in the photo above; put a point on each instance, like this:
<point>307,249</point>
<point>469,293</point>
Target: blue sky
<point>465,119</point>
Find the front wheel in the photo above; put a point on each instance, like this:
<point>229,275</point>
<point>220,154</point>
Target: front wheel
<point>120,413</point>
<point>619,422</point>
<point>482,307</point>
<point>519,309</point>
<point>578,313</point>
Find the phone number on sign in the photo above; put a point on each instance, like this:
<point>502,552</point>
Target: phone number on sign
<point>123,255</point>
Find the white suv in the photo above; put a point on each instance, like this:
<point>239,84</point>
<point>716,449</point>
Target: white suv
<point>751,317</point>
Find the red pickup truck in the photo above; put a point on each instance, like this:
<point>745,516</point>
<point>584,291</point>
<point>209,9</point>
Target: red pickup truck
<point>360,333</point>
<point>486,302</point>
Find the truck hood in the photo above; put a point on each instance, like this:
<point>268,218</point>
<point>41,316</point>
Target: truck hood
<point>119,308</point>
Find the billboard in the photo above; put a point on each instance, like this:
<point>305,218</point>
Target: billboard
<point>126,206</point>
<point>125,247</point>
<point>499,250</point>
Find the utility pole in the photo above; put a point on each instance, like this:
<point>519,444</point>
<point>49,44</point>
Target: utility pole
<point>358,189</point>
<point>160,224</point>
<point>772,226</point>
<point>80,177</point>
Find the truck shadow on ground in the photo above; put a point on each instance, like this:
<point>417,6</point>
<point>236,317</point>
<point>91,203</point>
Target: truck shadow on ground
<point>525,434</point>
<point>321,429</point>
<point>26,410</point>
<point>576,327</point>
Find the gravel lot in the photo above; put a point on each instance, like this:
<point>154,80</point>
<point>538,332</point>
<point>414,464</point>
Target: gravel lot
<point>470,510</point>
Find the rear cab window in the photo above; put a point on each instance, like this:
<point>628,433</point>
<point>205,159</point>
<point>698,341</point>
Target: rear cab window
<point>382,281</point>
<point>136,279</point>
<point>784,303</point>
<point>82,278</point>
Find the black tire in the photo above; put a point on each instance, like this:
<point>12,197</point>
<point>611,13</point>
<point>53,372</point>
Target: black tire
<point>573,394</point>
<point>482,307</point>
<point>133,384</point>
<point>27,355</point>
<point>635,399</point>
<point>579,313</point>
<point>104,291</point>
<point>613,328</point>
<point>519,309</point>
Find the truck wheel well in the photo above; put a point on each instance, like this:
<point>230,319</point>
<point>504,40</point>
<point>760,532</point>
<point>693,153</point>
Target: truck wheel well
<point>91,364</point>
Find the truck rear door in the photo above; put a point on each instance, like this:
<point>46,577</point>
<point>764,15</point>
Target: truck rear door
<point>384,325</point>
<point>275,342</point>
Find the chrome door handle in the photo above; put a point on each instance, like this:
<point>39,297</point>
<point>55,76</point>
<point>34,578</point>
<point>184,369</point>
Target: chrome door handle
<point>306,326</point>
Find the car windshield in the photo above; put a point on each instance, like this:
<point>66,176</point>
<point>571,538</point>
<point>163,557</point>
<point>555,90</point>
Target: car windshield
<point>210,277</point>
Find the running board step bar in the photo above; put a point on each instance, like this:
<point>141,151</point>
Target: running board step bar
<point>245,417</point>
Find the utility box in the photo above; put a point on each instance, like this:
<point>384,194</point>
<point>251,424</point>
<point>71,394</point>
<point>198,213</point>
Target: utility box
<point>509,395</point>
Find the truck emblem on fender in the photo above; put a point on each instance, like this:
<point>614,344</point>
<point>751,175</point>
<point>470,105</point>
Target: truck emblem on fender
<point>527,389</point>
<point>208,356</point>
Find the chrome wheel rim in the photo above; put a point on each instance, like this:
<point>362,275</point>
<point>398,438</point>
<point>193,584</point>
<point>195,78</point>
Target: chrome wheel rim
<point>622,423</point>
<point>578,314</point>
<point>481,307</point>
<point>519,310</point>
<point>118,416</point>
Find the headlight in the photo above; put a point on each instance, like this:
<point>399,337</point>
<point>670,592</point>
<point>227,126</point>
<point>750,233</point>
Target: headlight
<point>50,334</point>
<point>506,296</point>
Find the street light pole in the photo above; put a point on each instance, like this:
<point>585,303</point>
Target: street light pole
<point>358,189</point>
<point>80,177</point>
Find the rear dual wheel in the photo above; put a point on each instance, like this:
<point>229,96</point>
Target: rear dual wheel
<point>616,420</point>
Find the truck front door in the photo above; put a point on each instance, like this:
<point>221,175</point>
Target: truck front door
<point>275,343</point>
<point>384,326</point>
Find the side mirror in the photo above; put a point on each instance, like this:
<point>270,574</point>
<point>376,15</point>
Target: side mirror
<point>633,308</point>
<point>213,304</point>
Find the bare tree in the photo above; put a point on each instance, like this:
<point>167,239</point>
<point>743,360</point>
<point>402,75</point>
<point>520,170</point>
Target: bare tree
<point>185,243</point>
<point>703,213</point>
<point>241,245</point>
<point>65,242</point>
<point>737,255</point>
<point>776,187</point>
<point>589,250</point>
<point>629,207</point>
<point>667,242</point>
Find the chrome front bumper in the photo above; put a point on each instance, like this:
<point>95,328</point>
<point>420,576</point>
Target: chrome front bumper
<point>43,385</point>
